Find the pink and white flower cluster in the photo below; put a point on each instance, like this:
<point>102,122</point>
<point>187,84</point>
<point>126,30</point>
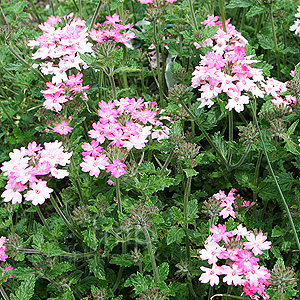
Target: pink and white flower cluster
<point>60,93</point>
<point>124,124</point>
<point>112,29</point>
<point>234,254</point>
<point>226,69</point>
<point>274,87</point>
<point>29,169</point>
<point>60,46</point>
<point>296,26</point>
<point>3,257</point>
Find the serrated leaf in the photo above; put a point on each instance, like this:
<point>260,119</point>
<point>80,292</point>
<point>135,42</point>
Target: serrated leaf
<point>26,290</point>
<point>163,271</point>
<point>254,11</point>
<point>190,172</point>
<point>121,260</point>
<point>61,268</point>
<point>239,3</point>
<point>192,209</point>
<point>278,231</point>
<point>51,249</point>
<point>175,234</point>
<point>97,266</point>
<point>124,69</point>
<point>90,238</point>
<point>265,42</point>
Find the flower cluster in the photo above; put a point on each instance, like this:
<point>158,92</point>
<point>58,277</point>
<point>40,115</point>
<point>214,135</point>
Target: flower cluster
<point>60,93</point>
<point>296,26</point>
<point>3,257</point>
<point>273,87</point>
<point>123,123</point>
<point>226,69</point>
<point>238,249</point>
<point>60,46</point>
<point>29,168</point>
<point>223,205</point>
<point>112,29</point>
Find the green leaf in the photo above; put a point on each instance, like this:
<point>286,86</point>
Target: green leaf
<point>297,71</point>
<point>292,128</point>
<point>90,238</point>
<point>97,266</point>
<point>254,11</point>
<point>51,249</point>
<point>163,271</point>
<point>121,260</point>
<point>190,172</point>
<point>61,268</point>
<point>239,3</point>
<point>265,42</point>
<point>175,234</point>
<point>124,69</point>
<point>277,231</point>
<point>192,209</point>
<point>26,290</point>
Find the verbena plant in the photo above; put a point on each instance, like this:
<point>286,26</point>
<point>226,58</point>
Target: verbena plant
<point>149,149</point>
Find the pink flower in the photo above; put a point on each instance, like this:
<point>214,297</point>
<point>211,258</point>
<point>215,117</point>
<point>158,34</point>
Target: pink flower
<point>116,168</point>
<point>233,275</point>
<point>257,243</point>
<point>220,233</point>
<point>63,128</point>
<point>39,193</point>
<point>210,275</point>
<point>94,165</point>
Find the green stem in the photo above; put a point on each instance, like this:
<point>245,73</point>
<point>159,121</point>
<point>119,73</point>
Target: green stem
<point>210,141</point>
<point>118,195</point>
<point>61,214</point>
<point>80,9</point>
<point>77,184</point>
<point>257,29</point>
<point>151,254</point>
<point>230,127</point>
<point>52,7</point>
<point>164,167</point>
<point>124,73</point>
<point>256,174</point>
<point>187,192</point>
<point>192,12</point>
<point>275,43</point>
<point>38,209</point>
<point>26,64</point>
<point>95,14</point>
<point>159,77</point>
<point>113,86</point>
<point>39,19</point>
<point>242,159</point>
<point>222,12</point>
<point>3,293</point>
<point>124,246</point>
<point>243,18</point>
<point>276,182</point>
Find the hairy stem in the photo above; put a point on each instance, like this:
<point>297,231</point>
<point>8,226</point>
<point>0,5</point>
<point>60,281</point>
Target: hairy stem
<point>3,293</point>
<point>151,254</point>
<point>95,14</point>
<point>38,209</point>
<point>61,214</point>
